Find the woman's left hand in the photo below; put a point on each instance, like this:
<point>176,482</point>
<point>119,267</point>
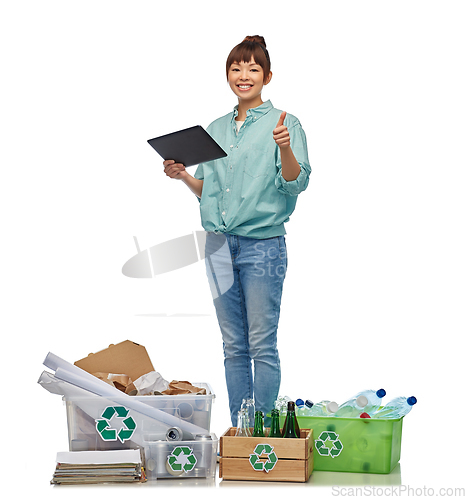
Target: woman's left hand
<point>280,133</point>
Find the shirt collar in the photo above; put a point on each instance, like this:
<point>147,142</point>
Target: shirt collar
<point>258,112</point>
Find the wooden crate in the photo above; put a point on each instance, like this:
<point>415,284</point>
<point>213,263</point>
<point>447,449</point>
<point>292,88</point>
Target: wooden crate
<point>266,459</point>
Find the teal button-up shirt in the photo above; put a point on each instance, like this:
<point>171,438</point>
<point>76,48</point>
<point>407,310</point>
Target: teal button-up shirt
<point>244,193</point>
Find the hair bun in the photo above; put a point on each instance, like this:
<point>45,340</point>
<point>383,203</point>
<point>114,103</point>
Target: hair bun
<point>255,38</point>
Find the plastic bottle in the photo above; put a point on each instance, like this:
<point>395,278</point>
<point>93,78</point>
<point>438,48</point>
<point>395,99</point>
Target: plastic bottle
<point>299,406</point>
<point>304,408</point>
<point>353,407</point>
<point>324,409</point>
<point>374,399</point>
<point>396,408</point>
<point>281,404</point>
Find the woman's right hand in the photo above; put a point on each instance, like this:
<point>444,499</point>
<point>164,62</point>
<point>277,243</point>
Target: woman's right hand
<point>174,170</point>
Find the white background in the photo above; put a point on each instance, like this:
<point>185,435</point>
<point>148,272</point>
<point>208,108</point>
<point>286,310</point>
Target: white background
<point>375,291</point>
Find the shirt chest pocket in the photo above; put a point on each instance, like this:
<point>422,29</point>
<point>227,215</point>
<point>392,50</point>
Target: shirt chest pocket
<point>259,161</point>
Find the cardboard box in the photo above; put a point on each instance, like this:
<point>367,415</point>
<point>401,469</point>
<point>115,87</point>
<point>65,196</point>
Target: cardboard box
<point>266,459</point>
<point>126,358</point>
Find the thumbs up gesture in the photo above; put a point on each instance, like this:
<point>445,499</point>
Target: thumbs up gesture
<point>280,133</point>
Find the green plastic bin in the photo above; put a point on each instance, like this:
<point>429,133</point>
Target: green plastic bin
<point>354,444</point>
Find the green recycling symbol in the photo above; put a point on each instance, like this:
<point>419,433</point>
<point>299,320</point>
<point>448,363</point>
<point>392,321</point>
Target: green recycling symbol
<point>328,444</point>
<point>182,458</point>
<point>104,427</point>
<point>255,458</point>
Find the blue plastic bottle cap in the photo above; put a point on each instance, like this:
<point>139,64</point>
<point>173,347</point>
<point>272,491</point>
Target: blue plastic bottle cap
<point>381,393</point>
<point>411,400</point>
<point>362,401</point>
<point>309,403</point>
<point>299,402</point>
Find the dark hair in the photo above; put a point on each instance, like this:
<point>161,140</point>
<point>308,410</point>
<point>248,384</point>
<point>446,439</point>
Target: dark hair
<point>251,47</point>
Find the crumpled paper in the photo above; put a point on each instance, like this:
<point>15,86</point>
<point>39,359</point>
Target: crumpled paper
<point>120,381</point>
<point>150,383</point>
<point>183,387</point>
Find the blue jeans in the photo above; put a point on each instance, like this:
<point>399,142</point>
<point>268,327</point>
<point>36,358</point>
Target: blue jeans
<point>246,277</point>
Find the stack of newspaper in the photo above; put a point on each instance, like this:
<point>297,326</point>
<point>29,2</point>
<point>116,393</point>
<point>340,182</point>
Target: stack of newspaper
<point>94,467</point>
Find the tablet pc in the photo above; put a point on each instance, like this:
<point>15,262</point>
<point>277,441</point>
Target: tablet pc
<point>189,146</point>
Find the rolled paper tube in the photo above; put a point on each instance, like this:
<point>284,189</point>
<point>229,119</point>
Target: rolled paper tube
<point>57,386</point>
<point>185,410</point>
<point>90,383</point>
<point>199,404</point>
<point>171,471</point>
<point>166,404</point>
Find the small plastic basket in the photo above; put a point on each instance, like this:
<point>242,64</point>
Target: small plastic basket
<point>181,459</point>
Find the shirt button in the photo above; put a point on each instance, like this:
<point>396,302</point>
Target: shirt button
<point>223,213</point>
<point>231,146</point>
<point>228,190</point>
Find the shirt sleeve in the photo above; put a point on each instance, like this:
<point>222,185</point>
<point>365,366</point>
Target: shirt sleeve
<point>299,148</point>
<point>199,174</point>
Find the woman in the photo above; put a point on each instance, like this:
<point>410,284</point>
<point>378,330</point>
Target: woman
<point>246,198</point>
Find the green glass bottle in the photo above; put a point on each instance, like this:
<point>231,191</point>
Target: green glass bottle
<point>258,424</point>
<point>291,428</point>
<point>275,426</point>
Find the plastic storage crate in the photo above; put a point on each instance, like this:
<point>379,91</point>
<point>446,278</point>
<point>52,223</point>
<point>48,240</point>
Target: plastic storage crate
<point>354,444</point>
<point>97,423</point>
<point>181,459</point>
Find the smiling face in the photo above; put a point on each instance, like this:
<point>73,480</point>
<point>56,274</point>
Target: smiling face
<point>246,79</point>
